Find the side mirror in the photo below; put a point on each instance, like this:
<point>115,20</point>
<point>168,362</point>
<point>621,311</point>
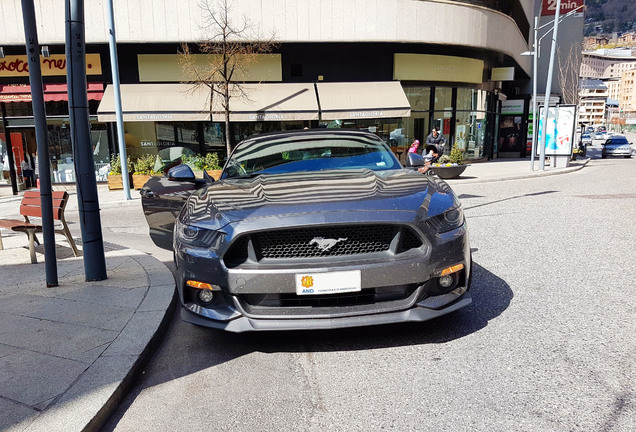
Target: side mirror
<point>181,172</point>
<point>414,160</point>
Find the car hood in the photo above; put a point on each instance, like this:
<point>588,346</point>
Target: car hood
<point>231,200</point>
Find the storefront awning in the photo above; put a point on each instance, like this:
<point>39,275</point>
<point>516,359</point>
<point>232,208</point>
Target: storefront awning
<point>157,102</point>
<point>52,92</point>
<point>355,100</point>
<point>268,102</point>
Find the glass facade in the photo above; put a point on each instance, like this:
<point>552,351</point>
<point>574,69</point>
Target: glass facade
<point>460,114</point>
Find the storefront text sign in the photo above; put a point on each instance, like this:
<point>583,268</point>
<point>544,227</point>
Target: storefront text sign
<point>17,66</point>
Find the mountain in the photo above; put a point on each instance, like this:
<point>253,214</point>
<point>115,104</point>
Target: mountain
<point>608,16</point>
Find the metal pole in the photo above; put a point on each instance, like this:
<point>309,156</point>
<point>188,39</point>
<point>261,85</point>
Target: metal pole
<point>7,138</point>
<point>548,87</point>
<point>114,64</point>
<point>535,115</point>
<point>87,197</point>
<point>41,138</point>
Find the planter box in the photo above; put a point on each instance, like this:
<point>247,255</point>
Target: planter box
<point>139,180</point>
<point>448,172</point>
<point>215,174</point>
<point>115,182</point>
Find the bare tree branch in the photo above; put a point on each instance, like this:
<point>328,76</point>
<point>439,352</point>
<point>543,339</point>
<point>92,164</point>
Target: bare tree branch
<point>230,48</point>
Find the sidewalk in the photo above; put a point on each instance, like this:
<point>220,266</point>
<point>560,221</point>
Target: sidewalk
<point>67,353</point>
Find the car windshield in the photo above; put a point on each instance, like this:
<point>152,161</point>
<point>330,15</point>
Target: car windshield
<point>617,141</point>
<point>290,153</point>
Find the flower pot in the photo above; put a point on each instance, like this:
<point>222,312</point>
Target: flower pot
<point>139,180</point>
<point>448,172</point>
<point>215,174</point>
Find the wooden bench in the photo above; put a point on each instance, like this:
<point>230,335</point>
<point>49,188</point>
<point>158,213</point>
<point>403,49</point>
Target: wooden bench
<point>31,206</point>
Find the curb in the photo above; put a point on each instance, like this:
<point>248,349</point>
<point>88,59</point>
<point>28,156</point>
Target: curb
<point>521,176</point>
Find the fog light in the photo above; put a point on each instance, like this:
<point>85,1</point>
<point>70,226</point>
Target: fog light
<point>446,281</point>
<point>206,296</point>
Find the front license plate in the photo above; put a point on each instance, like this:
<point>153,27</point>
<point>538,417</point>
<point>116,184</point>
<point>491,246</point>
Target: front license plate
<point>328,283</point>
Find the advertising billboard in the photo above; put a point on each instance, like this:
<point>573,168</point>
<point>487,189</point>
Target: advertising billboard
<point>559,130</point>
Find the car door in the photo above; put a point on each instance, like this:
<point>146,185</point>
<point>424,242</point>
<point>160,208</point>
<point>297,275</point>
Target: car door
<point>162,199</point>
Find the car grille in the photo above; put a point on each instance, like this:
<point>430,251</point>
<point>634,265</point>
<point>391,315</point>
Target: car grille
<point>332,241</point>
<point>372,299</point>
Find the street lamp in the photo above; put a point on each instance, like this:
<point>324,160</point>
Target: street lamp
<point>536,44</point>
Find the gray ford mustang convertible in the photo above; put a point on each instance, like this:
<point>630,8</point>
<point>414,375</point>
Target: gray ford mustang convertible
<point>311,229</point>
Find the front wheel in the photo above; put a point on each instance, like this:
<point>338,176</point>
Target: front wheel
<point>628,156</point>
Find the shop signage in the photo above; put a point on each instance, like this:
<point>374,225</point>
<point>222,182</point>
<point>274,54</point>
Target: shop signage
<point>549,6</point>
<point>18,66</point>
<point>265,117</point>
<point>502,74</point>
<point>147,143</point>
<point>359,114</point>
<point>512,106</point>
<point>154,117</point>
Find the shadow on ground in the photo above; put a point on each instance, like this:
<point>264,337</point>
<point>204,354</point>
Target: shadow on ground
<point>188,349</point>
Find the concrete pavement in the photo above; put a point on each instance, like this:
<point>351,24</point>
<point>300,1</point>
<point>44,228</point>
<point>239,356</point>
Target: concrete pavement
<point>67,353</point>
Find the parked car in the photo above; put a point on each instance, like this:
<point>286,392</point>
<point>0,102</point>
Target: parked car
<point>600,135</point>
<point>311,229</point>
<point>617,145</point>
<point>586,139</point>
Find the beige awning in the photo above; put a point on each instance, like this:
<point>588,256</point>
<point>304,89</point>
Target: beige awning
<point>354,100</point>
<point>268,102</point>
<point>157,102</point>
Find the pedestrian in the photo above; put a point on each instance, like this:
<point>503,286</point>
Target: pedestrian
<point>438,141</point>
<point>414,146</point>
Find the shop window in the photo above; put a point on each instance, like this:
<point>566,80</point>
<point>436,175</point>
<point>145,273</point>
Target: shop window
<point>419,98</point>
<point>214,138</point>
<point>470,133</point>
<point>471,99</point>
<point>443,98</point>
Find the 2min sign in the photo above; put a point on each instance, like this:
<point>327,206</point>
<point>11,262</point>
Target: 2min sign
<point>549,6</point>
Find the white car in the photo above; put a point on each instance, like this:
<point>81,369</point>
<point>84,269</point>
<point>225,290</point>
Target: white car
<point>617,145</point>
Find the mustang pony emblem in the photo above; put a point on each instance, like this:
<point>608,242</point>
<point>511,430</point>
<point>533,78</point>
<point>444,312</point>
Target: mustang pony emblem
<point>325,244</point>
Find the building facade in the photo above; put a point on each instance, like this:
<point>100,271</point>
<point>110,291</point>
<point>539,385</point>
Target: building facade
<point>333,66</point>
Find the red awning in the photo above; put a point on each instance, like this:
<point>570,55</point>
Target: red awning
<point>52,92</point>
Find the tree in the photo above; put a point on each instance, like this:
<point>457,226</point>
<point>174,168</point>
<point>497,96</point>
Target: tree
<point>569,64</point>
<point>229,48</point>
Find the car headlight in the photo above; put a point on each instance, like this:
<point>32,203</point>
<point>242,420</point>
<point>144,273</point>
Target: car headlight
<point>451,219</point>
<point>194,236</point>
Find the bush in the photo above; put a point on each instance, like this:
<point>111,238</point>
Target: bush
<point>200,162</point>
<point>115,164</point>
<point>145,165</point>
<point>456,155</point>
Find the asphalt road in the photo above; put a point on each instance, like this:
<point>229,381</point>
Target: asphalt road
<point>548,344</point>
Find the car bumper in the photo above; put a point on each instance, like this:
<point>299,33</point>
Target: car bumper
<point>618,152</point>
<point>231,311</point>
<point>421,312</point>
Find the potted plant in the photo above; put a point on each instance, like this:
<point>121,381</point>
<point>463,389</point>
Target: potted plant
<point>450,166</point>
<point>114,176</point>
<point>200,163</point>
<point>144,168</point>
